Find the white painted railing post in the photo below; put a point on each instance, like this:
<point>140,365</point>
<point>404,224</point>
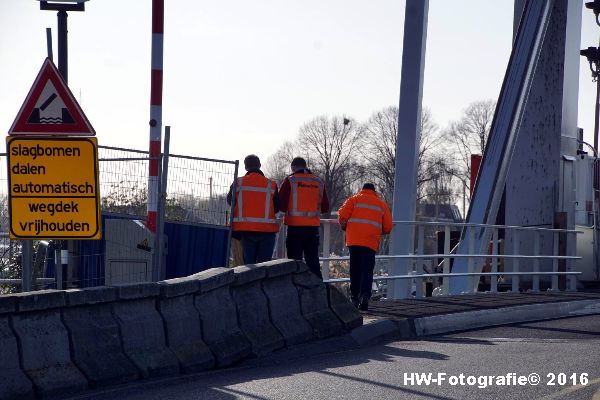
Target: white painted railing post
<point>445,279</point>
<point>555,236</point>
<point>515,278</point>
<point>419,262</point>
<point>470,263</point>
<point>494,278</point>
<point>280,243</point>
<point>570,265</point>
<point>326,248</point>
<point>536,262</point>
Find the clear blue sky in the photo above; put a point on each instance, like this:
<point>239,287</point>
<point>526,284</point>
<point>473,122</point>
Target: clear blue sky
<point>242,76</point>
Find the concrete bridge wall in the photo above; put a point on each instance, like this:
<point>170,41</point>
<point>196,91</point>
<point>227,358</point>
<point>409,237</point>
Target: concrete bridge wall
<point>64,341</point>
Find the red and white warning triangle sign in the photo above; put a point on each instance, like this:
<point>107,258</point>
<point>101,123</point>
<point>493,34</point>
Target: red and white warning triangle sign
<point>50,108</point>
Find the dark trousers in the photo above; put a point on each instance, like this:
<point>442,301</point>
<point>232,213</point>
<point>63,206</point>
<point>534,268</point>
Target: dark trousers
<point>362,264</point>
<point>257,246</point>
<point>304,241</point>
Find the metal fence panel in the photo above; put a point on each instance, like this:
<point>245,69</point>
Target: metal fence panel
<point>196,197</point>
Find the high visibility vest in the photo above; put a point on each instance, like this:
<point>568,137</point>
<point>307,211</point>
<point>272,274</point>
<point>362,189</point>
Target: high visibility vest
<point>304,206</point>
<point>254,204</point>
<point>369,218</point>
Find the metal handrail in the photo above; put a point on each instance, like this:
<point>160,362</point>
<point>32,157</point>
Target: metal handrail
<point>18,282</point>
<point>427,256</point>
<point>467,224</point>
<point>441,275</point>
<point>418,274</point>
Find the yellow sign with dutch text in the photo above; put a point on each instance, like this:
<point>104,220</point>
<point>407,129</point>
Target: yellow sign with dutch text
<point>53,188</point>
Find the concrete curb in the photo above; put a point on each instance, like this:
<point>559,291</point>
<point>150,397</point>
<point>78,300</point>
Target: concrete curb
<point>385,330</point>
<point>438,324</point>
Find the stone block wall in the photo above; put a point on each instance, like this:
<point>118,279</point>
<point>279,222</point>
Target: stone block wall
<point>63,341</point>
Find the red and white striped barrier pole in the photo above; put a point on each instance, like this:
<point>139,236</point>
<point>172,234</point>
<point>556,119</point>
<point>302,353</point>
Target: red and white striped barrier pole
<point>156,85</point>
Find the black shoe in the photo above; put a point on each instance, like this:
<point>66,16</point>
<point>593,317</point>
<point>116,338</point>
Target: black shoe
<point>354,301</point>
<point>364,304</point>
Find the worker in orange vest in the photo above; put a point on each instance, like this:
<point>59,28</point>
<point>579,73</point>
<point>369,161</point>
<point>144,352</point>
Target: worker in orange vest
<point>303,199</point>
<point>254,221</point>
<point>364,217</point>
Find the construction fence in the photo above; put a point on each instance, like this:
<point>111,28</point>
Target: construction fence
<point>195,213</point>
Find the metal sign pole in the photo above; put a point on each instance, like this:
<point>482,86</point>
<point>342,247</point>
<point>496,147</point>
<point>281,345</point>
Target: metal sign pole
<point>160,229</point>
<point>27,247</point>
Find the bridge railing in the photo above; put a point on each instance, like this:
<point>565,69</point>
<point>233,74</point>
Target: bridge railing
<point>557,261</point>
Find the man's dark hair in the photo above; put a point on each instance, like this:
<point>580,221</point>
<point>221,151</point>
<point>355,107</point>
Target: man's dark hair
<point>369,186</point>
<point>251,162</point>
<point>299,162</point>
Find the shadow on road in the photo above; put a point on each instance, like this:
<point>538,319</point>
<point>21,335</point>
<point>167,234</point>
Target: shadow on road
<point>220,384</point>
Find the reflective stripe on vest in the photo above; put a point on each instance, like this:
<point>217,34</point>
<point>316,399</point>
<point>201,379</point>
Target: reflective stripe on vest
<point>248,219</point>
<point>369,206</point>
<point>253,189</point>
<point>240,203</point>
<point>365,221</point>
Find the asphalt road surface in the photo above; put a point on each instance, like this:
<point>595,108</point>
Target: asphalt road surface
<point>557,359</point>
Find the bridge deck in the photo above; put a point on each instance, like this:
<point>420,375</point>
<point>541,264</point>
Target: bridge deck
<point>415,308</point>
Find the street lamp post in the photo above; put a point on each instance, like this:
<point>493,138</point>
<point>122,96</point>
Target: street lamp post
<point>593,56</point>
<point>62,6</point>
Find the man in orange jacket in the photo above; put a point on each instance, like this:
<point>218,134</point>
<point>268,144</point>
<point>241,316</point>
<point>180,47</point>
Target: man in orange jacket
<point>364,217</point>
<point>303,199</point>
<point>254,221</point>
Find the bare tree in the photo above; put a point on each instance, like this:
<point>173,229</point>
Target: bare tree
<point>331,146</point>
<point>381,131</point>
<point>277,166</point>
<point>469,136</point>
<point>440,188</point>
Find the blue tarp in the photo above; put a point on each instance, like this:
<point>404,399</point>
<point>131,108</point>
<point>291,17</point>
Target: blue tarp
<point>194,248</point>
<point>190,249</point>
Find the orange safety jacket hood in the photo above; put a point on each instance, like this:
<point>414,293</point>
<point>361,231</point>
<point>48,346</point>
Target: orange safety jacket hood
<point>367,217</point>
<point>304,206</point>
<point>254,204</point>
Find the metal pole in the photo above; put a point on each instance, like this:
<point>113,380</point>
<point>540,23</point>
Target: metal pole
<point>536,262</point>
<point>159,243</point>
<point>157,235</point>
<point>419,263</point>
<point>233,198</point>
<point>555,260</point>
<point>471,263</point>
<point>63,69</point>
<point>163,199</point>
<point>63,53</point>
<point>597,112</point>
<point>407,142</point>
<point>515,263</point>
<point>494,278</point>
<point>26,247</point>
<point>326,248</point>
<point>446,270</point>
<point>58,268</point>
<point>49,43</point>
<point>156,86</point>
